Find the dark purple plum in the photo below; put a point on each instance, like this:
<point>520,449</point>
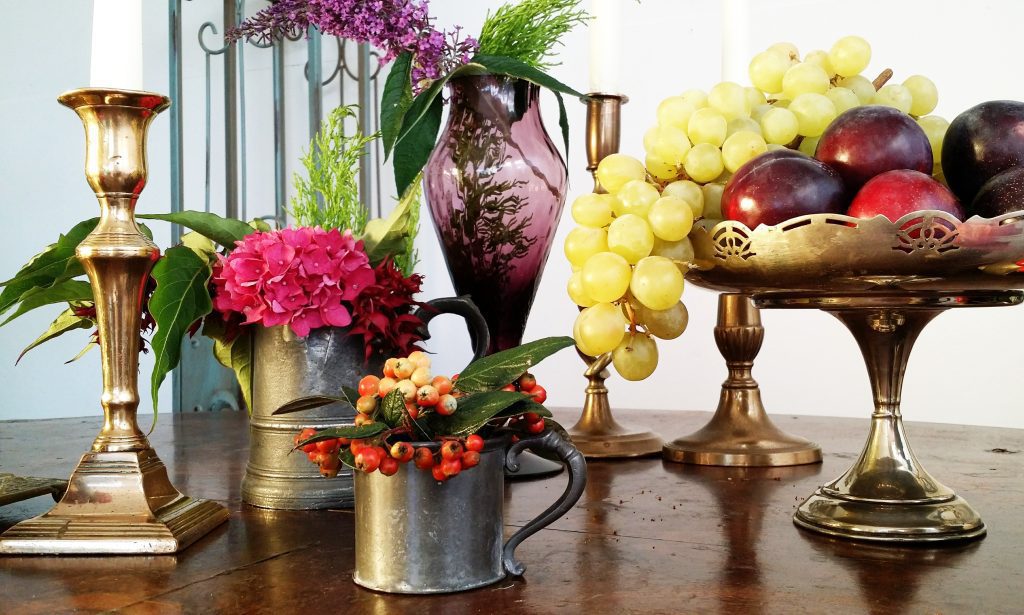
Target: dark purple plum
<point>981,142</point>
<point>1002,194</point>
<point>867,141</point>
<point>777,186</point>
<point>894,194</point>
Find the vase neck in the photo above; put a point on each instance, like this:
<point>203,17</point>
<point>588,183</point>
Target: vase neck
<point>497,96</point>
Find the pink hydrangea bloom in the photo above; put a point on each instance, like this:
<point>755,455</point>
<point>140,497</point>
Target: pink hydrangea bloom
<point>305,278</point>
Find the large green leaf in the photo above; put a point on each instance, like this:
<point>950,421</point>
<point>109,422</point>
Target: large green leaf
<point>56,262</point>
<point>503,65</point>
<point>497,370</point>
<point>473,412</point>
<point>224,231</point>
<point>67,290</point>
<point>563,124</point>
<point>180,299</point>
<point>308,402</point>
<point>395,101</point>
<point>392,407</point>
<point>413,150</point>
<point>66,321</point>
<point>387,236</point>
<point>241,363</point>
<point>352,432</point>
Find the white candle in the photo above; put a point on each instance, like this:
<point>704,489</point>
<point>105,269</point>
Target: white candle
<point>116,45</point>
<point>735,32</point>
<point>605,46</point>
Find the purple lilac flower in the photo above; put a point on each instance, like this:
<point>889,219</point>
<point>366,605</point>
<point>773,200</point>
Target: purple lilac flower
<point>393,26</point>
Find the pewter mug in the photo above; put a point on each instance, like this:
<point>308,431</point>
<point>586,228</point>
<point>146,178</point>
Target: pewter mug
<point>415,535</point>
<point>286,367</point>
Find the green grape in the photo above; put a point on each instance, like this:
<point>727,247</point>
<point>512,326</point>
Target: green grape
<point>775,146</point>
<point>594,210</point>
<point>755,97</point>
<point>934,127</point>
<point>766,70</point>
<point>707,126</point>
<point>630,237</point>
<point>924,94</point>
<point>576,336</point>
<point>697,98</point>
<point>688,191</point>
<point>896,96</point>
<point>740,124</point>
<point>649,137</point>
<point>781,103</point>
<point>779,126</point>
<point>713,201</point>
<point>704,163</point>
<point>861,86</point>
<point>758,112</point>
<point>740,148</point>
<point>636,197</point>
<point>670,218</point>
<point>679,252</point>
<point>605,276</point>
<point>576,292</point>
<point>665,324</point>
<point>820,58</point>
<point>615,170</point>
<point>843,99</point>
<point>599,329</point>
<point>657,283</point>
<point>730,99</point>
<point>804,78</point>
<point>675,111</point>
<point>814,112</point>
<point>808,145</point>
<point>849,56</point>
<point>670,144</point>
<point>788,50</point>
<point>583,242</point>
<point>636,357</point>
<point>661,170</point>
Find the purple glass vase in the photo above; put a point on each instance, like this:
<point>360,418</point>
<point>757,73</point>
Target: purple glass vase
<point>496,184</point>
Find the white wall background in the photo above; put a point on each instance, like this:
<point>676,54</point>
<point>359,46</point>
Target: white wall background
<point>967,366</point>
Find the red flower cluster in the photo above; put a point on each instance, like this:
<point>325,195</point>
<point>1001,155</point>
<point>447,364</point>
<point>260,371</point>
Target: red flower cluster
<point>381,313</point>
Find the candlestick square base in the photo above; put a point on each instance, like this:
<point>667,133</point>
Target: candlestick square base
<point>116,503</point>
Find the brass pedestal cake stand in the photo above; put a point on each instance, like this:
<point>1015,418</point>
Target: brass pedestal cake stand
<point>119,499</point>
<point>740,432</point>
<point>885,281</point>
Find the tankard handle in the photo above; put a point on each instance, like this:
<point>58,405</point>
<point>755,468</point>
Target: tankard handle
<point>547,441</point>
<point>461,306</point>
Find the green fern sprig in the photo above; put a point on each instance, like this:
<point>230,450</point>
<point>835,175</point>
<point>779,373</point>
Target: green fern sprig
<point>528,31</point>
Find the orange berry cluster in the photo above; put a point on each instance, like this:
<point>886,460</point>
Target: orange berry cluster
<point>410,375</point>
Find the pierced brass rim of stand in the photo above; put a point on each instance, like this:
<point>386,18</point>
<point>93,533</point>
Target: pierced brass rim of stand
<point>740,432</point>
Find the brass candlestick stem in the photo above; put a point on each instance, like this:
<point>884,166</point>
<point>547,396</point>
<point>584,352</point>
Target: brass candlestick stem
<point>740,432</point>
<point>119,499</point>
<point>597,434</point>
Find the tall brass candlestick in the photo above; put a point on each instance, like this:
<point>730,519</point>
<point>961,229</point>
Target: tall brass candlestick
<point>597,434</point>
<point>119,500</point>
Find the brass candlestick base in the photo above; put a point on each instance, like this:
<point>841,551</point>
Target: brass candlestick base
<point>740,433</point>
<point>119,499</point>
<point>887,495</point>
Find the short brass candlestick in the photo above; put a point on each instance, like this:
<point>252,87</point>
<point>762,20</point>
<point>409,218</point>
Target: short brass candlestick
<point>597,434</point>
<point>740,432</point>
<point>119,500</point>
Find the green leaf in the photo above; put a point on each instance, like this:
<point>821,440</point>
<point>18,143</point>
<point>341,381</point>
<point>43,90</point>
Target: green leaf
<point>413,150</point>
<point>387,236</point>
<point>180,298</point>
<point>56,262</point>
<point>392,407</point>
<point>81,353</point>
<point>67,321</point>
<point>224,231</point>
<point>395,101</point>
<point>200,244</point>
<point>502,65</point>
<point>350,395</point>
<point>526,404</point>
<point>67,290</point>
<point>309,402</point>
<point>347,458</point>
<point>352,432</point>
<point>497,370</point>
<point>260,225</point>
<point>241,363</point>
<point>473,412</point>
<point>563,124</point>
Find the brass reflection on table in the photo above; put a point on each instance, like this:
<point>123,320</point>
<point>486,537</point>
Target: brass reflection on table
<point>119,499</point>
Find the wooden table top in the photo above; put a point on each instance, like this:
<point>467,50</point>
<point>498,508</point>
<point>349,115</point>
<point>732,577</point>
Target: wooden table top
<point>647,536</point>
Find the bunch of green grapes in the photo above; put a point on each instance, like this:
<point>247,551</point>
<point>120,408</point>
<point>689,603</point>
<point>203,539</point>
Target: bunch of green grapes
<point>628,254</point>
<point>707,136</point>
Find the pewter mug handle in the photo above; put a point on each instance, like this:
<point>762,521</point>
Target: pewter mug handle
<point>572,458</point>
<point>460,306</point>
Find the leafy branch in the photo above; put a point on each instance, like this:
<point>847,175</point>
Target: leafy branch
<point>529,31</point>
